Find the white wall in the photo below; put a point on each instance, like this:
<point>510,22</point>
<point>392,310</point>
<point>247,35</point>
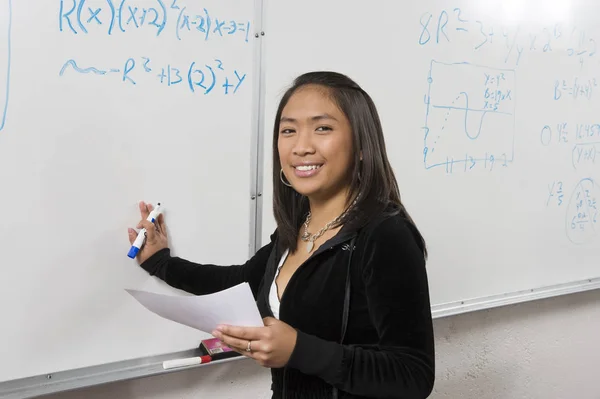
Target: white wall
<point>546,349</point>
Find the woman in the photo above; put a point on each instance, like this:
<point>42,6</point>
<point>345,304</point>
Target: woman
<point>342,284</point>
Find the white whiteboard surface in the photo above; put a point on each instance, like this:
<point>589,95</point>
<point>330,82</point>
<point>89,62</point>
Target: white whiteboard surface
<point>109,106</point>
<point>491,117</point>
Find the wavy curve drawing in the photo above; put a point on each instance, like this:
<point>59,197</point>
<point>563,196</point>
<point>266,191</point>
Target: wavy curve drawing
<point>74,65</point>
<point>5,39</point>
<point>476,136</point>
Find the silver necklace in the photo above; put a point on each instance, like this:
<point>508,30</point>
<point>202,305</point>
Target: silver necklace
<point>306,236</point>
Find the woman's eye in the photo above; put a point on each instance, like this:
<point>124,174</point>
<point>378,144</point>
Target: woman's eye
<point>286,131</point>
<point>323,128</point>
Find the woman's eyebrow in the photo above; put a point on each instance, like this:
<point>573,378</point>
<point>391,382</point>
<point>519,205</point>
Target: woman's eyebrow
<point>312,118</point>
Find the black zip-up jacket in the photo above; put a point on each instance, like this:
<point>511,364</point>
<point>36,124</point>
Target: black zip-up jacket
<point>388,348</point>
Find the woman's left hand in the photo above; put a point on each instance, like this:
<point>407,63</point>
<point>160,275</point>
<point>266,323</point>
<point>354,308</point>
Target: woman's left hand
<point>271,345</point>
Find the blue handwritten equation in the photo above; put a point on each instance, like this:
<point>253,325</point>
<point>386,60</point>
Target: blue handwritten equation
<point>456,26</point>
<point>582,220</point>
<point>577,88</point>
<point>121,16</point>
<point>556,193</point>
<point>585,154</point>
<point>582,138</point>
<point>469,118</point>
<point>5,38</point>
<point>197,77</point>
<point>565,133</point>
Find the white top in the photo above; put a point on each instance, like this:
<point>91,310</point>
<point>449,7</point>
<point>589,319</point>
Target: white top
<point>273,297</point>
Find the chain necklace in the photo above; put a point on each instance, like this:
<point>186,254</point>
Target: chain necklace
<point>306,236</point>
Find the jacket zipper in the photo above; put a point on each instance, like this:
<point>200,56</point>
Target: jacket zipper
<point>284,373</point>
<point>318,252</point>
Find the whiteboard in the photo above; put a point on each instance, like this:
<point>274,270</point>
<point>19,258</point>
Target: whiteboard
<point>490,113</point>
<point>110,103</point>
<point>94,118</point>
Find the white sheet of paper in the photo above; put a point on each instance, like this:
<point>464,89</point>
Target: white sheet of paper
<point>234,306</point>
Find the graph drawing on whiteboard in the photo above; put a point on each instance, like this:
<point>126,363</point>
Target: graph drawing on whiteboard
<point>470,117</point>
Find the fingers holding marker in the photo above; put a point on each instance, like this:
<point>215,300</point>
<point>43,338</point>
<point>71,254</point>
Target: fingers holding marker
<point>132,234</point>
<point>148,228</point>
<point>160,223</point>
<point>145,209</point>
<point>144,212</point>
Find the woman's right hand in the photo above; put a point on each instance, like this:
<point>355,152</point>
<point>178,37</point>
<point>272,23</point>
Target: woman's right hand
<point>156,234</point>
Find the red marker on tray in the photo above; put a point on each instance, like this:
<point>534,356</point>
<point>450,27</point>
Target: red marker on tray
<point>191,361</point>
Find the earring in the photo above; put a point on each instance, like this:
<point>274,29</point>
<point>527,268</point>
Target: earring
<point>282,179</point>
<point>361,159</point>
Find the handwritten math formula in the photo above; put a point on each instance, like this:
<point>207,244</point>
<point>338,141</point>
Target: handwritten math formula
<point>582,138</point>
<point>556,193</point>
<point>197,77</point>
<point>495,92</point>
<point>455,26</point>
<point>576,88</point>
<point>160,17</point>
<point>565,133</point>
<point>582,216</point>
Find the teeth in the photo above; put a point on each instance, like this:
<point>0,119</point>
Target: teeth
<point>308,167</point>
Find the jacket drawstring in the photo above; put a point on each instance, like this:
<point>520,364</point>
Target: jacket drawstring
<point>346,310</point>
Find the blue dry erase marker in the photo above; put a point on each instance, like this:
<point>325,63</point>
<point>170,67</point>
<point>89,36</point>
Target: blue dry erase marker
<point>141,237</point>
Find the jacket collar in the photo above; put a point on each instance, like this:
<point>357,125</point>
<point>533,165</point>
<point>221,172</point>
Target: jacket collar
<point>345,234</point>
<point>341,237</point>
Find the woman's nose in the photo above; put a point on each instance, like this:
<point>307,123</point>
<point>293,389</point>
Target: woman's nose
<point>303,144</point>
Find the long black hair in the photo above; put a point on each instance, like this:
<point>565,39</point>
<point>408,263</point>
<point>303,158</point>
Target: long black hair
<point>372,177</point>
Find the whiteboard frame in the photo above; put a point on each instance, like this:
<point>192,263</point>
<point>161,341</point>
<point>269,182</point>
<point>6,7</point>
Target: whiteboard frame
<point>257,137</point>
<point>512,298</point>
<point>75,379</point>
<point>151,366</point>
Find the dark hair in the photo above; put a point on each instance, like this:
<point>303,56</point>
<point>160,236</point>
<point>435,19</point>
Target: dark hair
<point>372,177</point>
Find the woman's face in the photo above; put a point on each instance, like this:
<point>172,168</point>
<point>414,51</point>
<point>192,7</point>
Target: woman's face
<point>315,144</point>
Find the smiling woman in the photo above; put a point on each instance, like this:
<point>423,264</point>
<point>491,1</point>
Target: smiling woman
<point>348,315</point>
